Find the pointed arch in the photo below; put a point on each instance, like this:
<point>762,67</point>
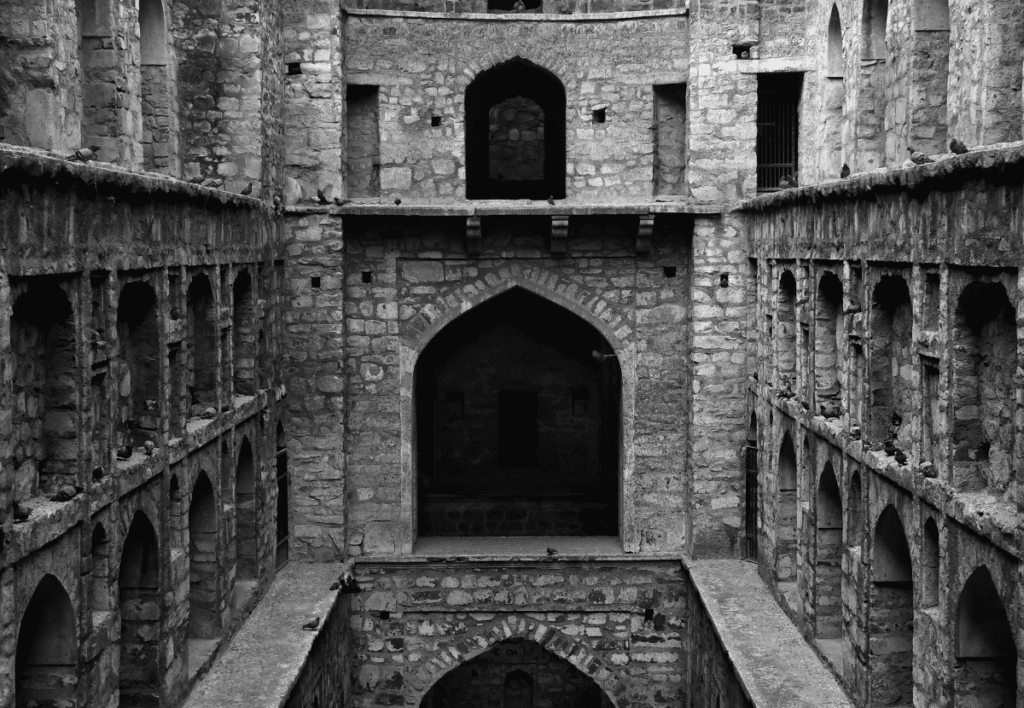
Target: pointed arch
<point>152,33</point>
<point>202,343</point>
<point>203,595</point>
<point>99,585</point>
<point>828,566</point>
<point>245,513</point>
<point>46,660</point>
<point>836,61</point>
<point>601,315</point>
<point>786,531</point>
<point>785,330</point>
<point>538,87</point>
<point>242,326</point>
<point>828,349</point>
<point>986,651</point>
<point>891,611</point>
<point>138,333</point>
<point>141,610</point>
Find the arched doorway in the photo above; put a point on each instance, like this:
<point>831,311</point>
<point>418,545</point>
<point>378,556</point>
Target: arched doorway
<point>986,653</point>
<point>515,133</point>
<point>139,585</point>
<point>47,655</point>
<point>891,611</point>
<point>245,513</point>
<point>204,610</point>
<point>828,566</point>
<point>516,673</point>
<point>518,424</point>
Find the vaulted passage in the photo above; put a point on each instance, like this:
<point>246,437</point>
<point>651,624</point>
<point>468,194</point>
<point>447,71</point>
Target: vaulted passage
<point>138,334</point>
<point>202,530</point>
<point>139,582</point>
<point>516,673</point>
<point>518,424</point>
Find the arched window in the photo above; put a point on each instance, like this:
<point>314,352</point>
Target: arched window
<point>518,418</point>
<point>875,17</point>
<point>786,535</point>
<point>836,63</point>
<point>245,513</point>
<point>984,364</point>
<point>891,609</point>
<point>242,326</point>
<point>891,362</point>
<point>828,568</point>
<point>138,333</point>
<point>140,602</point>
<point>785,331</point>
<point>152,33</point>
<point>986,653</point>
<point>204,610</point>
<point>202,328</point>
<point>515,133</point>
<point>47,655</point>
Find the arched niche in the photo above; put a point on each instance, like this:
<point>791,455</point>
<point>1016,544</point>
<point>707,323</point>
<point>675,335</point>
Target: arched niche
<point>138,332</point>
<point>836,61</point>
<point>203,344</point>
<point>855,506</point>
<point>891,611</point>
<point>828,350</point>
<point>46,659</point>
<point>518,415</point>
<point>786,531</point>
<point>874,21</point>
<point>985,674</point>
<point>203,596</point>
<point>141,610</point>
<point>515,133</point>
<point>243,329</point>
<point>785,330</point>
<point>152,33</point>
<point>283,491</point>
<point>245,513</point>
<point>891,359</point>
<point>828,568</point>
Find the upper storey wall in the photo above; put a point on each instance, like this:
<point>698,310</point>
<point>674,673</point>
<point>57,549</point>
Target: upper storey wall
<point>424,65</point>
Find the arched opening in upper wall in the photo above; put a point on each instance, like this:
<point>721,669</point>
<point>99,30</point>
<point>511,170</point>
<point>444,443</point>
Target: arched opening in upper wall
<point>836,62</point>
<point>46,661</point>
<point>152,33</point>
<point>828,349</point>
<point>515,133</point>
<point>516,673</point>
<point>891,366</point>
<point>873,25</point>
<point>203,595</point>
<point>518,424</point>
<point>985,673</point>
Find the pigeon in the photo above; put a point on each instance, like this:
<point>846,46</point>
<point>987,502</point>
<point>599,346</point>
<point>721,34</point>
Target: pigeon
<point>323,195</point>
<point>929,469</point>
<point>957,147</point>
<point>175,313</point>
<point>123,453</point>
<point>341,202</point>
<point>901,457</point>
<point>889,448</point>
<point>520,6</point>
<point>312,624</point>
<point>213,183</point>
<point>785,183</point>
<point>551,200</point>
<point>845,172</point>
<point>97,474</point>
<point>21,512</point>
<point>398,201</point>
<point>855,433</point>
<point>84,155</point>
<point>247,190</point>
<point>149,446</point>
<point>65,493</point>
<point>918,158</point>
<point>334,586</point>
<point>552,552</point>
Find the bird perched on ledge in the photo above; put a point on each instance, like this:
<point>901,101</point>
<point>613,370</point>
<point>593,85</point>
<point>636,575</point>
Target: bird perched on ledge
<point>957,147</point>
<point>84,155</point>
<point>845,172</point>
<point>247,190</point>
<point>787,182</point>
<point>312,624</point>
<point>918,158</point>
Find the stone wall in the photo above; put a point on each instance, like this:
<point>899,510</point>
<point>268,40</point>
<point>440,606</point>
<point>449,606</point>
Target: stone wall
<point>621,624</point>
<point>104,414</point>
<point>609,64</point>
<point>896,463</point>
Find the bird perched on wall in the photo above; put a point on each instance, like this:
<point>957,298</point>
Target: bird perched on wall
<point>845,172</point>
<point>551,200</point>
<point>84,155</point>
<point>312,624</point>
<point>97,474</point>
<point>213,182</point>
<point>787,182</point>
<point>341,202</point>
<point>552,552</point>
<point>519,6</point>
<point>21,512</point>
<point>347,582</point>
<point>124,452</point>
<point>247,190</point>
<point>196,180</point>
<point>398,201</point>
<point>65,493</point>
<point>889,448</point>
<point>918,158</point>
<point>929,469</point>
<point>323,194</point>
<point>901,457</point>
<point>957,147</point>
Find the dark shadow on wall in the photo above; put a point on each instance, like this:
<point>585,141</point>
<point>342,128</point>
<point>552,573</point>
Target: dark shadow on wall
<point>518,424</point>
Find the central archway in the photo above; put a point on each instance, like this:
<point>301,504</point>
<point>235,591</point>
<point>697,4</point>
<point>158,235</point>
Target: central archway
<point>516,673</point>
<point>517,421</point>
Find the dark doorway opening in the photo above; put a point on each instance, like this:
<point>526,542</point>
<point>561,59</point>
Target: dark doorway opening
<point>517,414</point>
<point>515,133</point>
<point>778,108</point>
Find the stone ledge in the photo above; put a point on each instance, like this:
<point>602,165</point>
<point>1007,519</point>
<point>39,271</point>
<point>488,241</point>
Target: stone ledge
<point>521,16</point>
<point>511,208</point>
<point>267,655</point>
<point>118,181</point>
<point>984,514</point>
<point>1002,163</point>
<point>772,661</point>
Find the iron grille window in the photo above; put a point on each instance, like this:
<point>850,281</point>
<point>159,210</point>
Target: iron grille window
<point>778,98</point>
